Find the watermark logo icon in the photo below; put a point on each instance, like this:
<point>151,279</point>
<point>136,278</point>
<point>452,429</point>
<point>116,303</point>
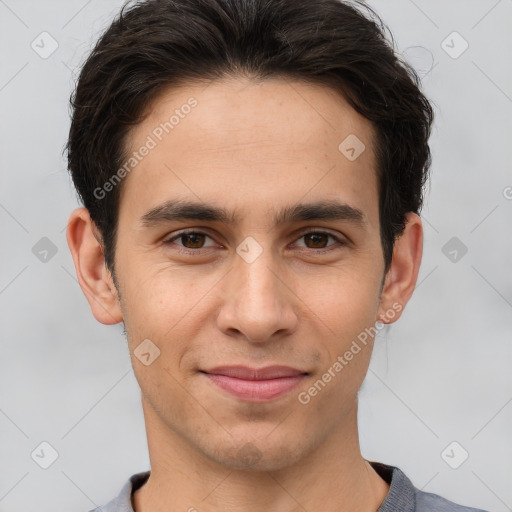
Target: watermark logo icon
<point>249,249</point>
<point>454,45</point>
<point>44,45</point>
<point>44,455</point>
<point>146,352</point>
<point>44,250</point>
<point>454,249</point>
<point>454,455</point>
<point>352,147</point>
<point>249,454</point>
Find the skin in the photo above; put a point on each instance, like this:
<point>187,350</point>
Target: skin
<point>252,148</point>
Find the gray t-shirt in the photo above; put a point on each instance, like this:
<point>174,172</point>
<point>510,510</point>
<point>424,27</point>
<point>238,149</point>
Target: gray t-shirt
<point>402,495</point>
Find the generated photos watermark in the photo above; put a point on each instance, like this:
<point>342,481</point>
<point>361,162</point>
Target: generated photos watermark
<point>363,337</point>
<point>151,143</point>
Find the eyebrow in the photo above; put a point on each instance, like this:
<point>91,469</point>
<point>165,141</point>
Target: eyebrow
<point>179,210</point>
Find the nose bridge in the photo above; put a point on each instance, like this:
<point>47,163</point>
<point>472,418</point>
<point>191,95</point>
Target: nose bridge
<point>256,303</point>
<point>256,278</point>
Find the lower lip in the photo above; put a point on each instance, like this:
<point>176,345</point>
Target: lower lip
<point>255,390</point>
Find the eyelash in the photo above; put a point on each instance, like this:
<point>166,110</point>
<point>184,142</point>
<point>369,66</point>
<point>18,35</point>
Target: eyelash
<point>186,250</point>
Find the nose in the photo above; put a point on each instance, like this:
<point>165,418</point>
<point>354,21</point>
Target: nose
<point>258,300</point>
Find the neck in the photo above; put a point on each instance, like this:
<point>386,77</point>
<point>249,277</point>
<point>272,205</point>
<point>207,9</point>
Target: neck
<point>333,477</point>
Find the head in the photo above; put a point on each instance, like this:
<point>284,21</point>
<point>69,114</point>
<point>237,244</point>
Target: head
<point>250,124</point>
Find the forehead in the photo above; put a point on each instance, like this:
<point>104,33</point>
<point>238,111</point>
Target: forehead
<point>252,143</point>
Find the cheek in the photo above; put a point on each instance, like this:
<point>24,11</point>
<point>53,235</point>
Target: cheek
<point>163,305</point>
<point>173,306</point>
<point>344,299</point>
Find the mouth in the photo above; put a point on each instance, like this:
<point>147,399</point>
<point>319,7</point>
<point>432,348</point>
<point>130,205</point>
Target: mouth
<point>255,384</point>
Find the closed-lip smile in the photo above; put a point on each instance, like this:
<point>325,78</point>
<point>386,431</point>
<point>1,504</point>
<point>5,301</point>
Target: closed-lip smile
<point>255,384</point>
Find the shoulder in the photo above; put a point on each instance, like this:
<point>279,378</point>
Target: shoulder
<point>405,497</point>
<point>428,502</point>
<point>122,502</point>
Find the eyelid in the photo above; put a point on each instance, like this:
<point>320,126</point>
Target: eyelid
<point>338,237</point>
<point>196,231</point>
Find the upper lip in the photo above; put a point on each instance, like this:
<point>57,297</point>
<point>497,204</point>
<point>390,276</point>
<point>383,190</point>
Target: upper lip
<point>247,373</point>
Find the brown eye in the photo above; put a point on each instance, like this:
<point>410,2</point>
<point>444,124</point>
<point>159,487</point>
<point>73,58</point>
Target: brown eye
<point>319,240</point>
<point>189,240</point>
<point>194,240</point>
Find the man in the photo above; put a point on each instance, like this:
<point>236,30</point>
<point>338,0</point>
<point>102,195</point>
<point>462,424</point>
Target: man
<point>251,173</point>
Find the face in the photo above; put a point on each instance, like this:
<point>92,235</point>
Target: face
<point>247,236</point>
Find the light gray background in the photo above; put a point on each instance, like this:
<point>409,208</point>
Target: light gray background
<point>442,374</point>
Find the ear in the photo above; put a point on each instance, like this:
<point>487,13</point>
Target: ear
<point>95,280</point>
<point>402,275</point>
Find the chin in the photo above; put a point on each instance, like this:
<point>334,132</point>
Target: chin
<point>257,455</point>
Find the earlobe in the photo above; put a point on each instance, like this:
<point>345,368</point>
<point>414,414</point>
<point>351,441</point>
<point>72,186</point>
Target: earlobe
<point>92,274</point>
<point>403,272</point>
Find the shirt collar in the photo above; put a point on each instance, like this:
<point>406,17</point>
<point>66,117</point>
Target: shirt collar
<point>401,495</point>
